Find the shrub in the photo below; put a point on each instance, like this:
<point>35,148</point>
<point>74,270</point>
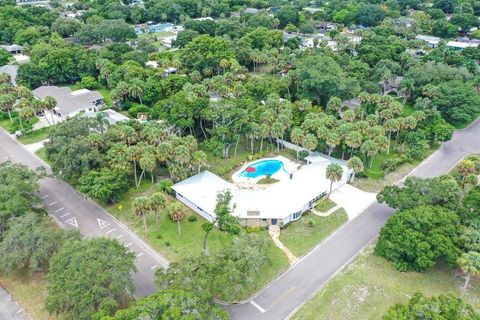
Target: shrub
<point>136,108</point>
<point>192,218</point>
<point>310,223</point>
<point>165,186</point>
<point>391,164</point>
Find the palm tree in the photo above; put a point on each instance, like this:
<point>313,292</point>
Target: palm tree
<point>135,90</point>
<point>391,126</point>
<point>50,103</point>
<point>349,115</point>
<point>38,106</point>
<point>176,213</point>
<point>297,137</point>
<point>381,142</point>
<point>386,77</point>
<point>353,140</point>
<point>140,207</point>
<point>133,155</point>
<point>310,142</point>
<point>466,168</point>
<point>469,262</point>
<point>333,173</point>
<point>155,203</point>
<point>24,92</point>
<point>369,149</point>
<point>334,104</point>
<point>147,162</point>
<point>26,111</point>
<point>332,140</point>
<point>5,78</point>
<point>407,86</point>
<point>200,159</point>
<point>355,164</point>
<point>7,101</point>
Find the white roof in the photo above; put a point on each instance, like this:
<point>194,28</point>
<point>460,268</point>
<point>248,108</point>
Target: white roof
<point>278,200</point>
<point>463,45</point>
<point>433,40</point>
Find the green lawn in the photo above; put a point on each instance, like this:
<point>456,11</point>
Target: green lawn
<point>370,285</point>
<point>6,124</point>
<point>302,235</point>
<point>30,292</point>
<point>267,180</point>
<point>324,205</point>
<point>41,153</point>
<point>34,136</point>
<point>157,37</point>
<point>163,236</point>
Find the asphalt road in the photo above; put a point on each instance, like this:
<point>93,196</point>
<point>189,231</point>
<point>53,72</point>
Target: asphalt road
<point>9,309</point>
<point>73,211</point>
<point>292,289</point>
<point>300,283</point>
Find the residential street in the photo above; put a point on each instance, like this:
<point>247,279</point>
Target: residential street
<point>302,281</point>
<point>9,309</point>
<point>72,211</point>
<point>289,291</point>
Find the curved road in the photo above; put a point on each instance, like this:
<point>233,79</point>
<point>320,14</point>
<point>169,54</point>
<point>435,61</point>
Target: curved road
<point>73,211</point>
<point>294,287</point>
<point>300,283</point>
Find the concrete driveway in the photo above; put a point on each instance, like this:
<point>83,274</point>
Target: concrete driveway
<point>353,200</point>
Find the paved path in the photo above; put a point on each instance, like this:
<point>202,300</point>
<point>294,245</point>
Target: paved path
<point>72,211</point>
<point>9,309</point>
<point>298,284</point>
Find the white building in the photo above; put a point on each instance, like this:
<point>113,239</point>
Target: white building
<point>457,45</point>
<point>432,42</point>
<point>278,203</point>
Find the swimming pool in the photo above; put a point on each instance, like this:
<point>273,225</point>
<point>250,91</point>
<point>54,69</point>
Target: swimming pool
<point>262,168</point>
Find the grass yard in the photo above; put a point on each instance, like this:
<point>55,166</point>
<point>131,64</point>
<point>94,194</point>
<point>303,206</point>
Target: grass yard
<point>377,185</point>
<point>370,285</point>
<point>6,124</point>
<point>302,235</point>
<point>34,136</point>
<point>30,292</point>
<point>157,37</point>
<point>42,154</point>
<point>163,236</point>
<point>324,205</point>
<point>267,180</point>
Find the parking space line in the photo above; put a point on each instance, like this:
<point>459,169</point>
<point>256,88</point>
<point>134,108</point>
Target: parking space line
<point>66,214</point>
<point>253,303</point>
<point>110,231</point>
<point>140,254</point>
<point>51,204</point>
<point>119,236</point>
<point>153,267</point>
<point>59,209</point>
<point>45,196</point>
<point>128,244</point>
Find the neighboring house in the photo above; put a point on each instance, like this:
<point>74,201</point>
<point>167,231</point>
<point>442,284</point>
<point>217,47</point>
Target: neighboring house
<point>71,103</point>
<point>325,26</point>
<point>36,2</point>
<point>430,41</point>
<point>12,48</point>
<point>11,69</point>
<point>276,204</point>
<point>391,85</point>
<point>250,11</point>
<point>457,45</point>
<point>351,104</point>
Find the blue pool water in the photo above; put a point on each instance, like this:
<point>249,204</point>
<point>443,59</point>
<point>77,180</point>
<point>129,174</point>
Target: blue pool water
<point>263,168</point>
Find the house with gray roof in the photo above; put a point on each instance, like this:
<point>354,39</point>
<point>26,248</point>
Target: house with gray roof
<point>71,103</point>
<point>10,69</point>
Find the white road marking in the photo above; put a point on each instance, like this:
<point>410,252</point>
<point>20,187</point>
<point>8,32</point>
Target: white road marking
<point>102,223</point>
<point>51,204</point>
<point>20,311</point>
<point>72,222</point>
<point>128,244</point>
<point>110,231</point>
<point>153,267</point>
<point>119,236</point>
<point>66,214</point>
<point>253,303</point>
<point>59,209</point>
<point>45,196</point>
<point>140,254</point>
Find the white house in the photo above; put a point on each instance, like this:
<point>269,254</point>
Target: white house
<point>278,203</point>
<point>70,103</point>
<point>431,42</point>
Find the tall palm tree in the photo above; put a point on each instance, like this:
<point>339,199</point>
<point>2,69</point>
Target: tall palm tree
<point>176,213</point>
<point>333,173</point>
<point>140,207</point>
<point>147,162</point>
<point>7,101</point>
<point>135,90</point>
<point>353,140</point>
<point>38,106</point>
<point>355,164</point>
<point>297,137</point>
<point>50,103</point>
<point>332,140</point>
<point>199,159</point>
<point>155,203</point>
<point>5,77</point>
<point>370,150</point>
<point>391,126</point>
<point>24,93</point>
<point>25,112</point>
<point>469,262</point>
<point>310,142</point>
<point>334,104</point>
